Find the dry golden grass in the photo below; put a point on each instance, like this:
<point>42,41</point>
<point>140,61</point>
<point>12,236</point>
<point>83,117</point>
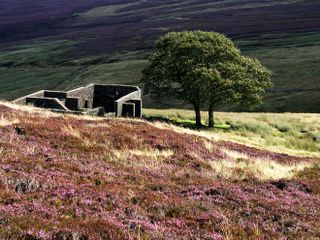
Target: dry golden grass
<point>45,113</point>
<point>99,125</point>
<point>6,122</point>
<point>30,109</point>
<point>260,169</point>
<point>71,131</point>
<point>239,166</point>
<point>1,151</point>
<point>209,145</point>
<point>147,158</point>
<point>205,134</point>
<point>152,153</point>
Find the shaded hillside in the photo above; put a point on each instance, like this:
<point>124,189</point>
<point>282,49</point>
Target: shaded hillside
<point>81,41</point>
<point>86,178</point>
<point>119,25</point>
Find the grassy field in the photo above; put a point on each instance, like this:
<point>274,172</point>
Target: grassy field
<point>297,134</point>
<point>293,58</point>
<point>50,65</point>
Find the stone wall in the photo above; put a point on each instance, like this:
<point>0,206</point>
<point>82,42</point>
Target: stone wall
<point>55,94</point>
<point>72,103</point>
<point>128,110</point>
<point>50,103</point>
<point>107,95</point>
<point>138,108</point>
<point>130,97</point>
<point>120,100</point>
<point>84,94</point>
<point>22,100</point>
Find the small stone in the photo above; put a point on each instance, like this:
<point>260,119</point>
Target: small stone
<point>20,131</point>
<point>25,186</point>
<point>30,237</point>
<point>69,236</point>
<point>129,212</point>
<point>212,192</point>
<point>4,221</point>
<point>316,138</point>
<point>280,184</point>
<point>132,226</point>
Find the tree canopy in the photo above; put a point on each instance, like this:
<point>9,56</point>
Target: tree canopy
<point>204,69</point>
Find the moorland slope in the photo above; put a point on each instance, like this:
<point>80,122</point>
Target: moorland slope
<point>59,45</point>
<point>73,177</point>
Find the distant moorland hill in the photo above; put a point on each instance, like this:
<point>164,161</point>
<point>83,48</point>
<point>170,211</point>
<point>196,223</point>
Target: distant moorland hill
<point>60,45</point>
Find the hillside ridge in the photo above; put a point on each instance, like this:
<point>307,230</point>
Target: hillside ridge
<point>100,178</point>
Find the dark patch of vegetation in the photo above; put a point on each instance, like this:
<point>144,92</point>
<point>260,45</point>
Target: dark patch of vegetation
<point>206,70</point>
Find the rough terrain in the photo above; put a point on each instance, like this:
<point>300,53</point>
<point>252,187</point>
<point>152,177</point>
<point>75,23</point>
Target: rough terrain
<point>89,178</point>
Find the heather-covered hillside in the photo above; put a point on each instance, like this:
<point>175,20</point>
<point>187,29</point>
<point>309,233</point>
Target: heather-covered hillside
<point>65,44</point>
<point>73,177</point>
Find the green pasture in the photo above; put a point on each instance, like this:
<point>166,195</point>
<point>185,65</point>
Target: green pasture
<point>293,58</point>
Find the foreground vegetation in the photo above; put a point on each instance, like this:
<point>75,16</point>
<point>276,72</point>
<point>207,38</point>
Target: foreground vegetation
<point>75,177</point>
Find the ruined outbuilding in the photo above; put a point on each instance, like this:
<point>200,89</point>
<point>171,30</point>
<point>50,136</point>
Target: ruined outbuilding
<point>97,99</point>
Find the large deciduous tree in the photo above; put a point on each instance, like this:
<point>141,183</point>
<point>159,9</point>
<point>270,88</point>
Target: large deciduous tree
<point>204,69</point>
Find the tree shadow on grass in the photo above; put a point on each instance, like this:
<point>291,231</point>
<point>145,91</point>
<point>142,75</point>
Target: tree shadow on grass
<point>186,123</point>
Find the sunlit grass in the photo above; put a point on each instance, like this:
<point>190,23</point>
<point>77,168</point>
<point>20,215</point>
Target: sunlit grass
<point>6,122</point>
<point>139,158</point>
<point>291,133</point>
<point>239,166</point>
<point>261,169</point>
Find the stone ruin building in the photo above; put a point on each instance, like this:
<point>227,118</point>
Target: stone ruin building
<point>95,99</point>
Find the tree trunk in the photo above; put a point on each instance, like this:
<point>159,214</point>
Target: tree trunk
<point>198,116</point>
<point>211,118</point>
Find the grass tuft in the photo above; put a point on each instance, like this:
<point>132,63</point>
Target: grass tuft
<point>264,170</point>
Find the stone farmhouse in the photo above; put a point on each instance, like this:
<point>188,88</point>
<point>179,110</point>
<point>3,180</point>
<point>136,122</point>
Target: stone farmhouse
<point>96,99</point>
